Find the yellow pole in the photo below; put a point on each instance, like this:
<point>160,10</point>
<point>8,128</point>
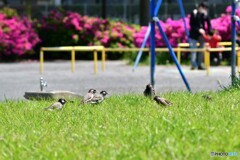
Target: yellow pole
<point>207,61</point>
<point>205,58</point>
<point>179,54</point>
<point>103,59</point>
<point>95,58</point>
<point>73,60</point>
<point>41,61</point>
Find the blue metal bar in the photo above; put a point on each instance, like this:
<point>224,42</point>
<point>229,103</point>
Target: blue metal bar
<point>238,23</point>
<point>233,55</point>
<point>173,55</point>
<point>142,47</point>
<point>157,7</point>
<point>183,17</point>
<point>146,36</point>
<point>152,43</point>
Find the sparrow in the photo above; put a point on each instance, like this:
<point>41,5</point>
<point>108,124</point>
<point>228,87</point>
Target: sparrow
<point>57,105</point>
<point>149,91</point>
<point>162,101</point>
<point>98,97</point>
<point>89,96</point>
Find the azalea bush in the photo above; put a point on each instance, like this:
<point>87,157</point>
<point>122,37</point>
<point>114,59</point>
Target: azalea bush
<point>61,28</point>
<point>117,35</point>
<point>17,36</point>
<point>65,28</point>
<point>223,23</point>
<point>175,31</point>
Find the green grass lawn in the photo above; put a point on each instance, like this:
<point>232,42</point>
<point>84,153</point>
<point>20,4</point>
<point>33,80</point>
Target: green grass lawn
<point>123,127</point>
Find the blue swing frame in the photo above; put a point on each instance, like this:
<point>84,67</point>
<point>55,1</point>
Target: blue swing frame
<point>151,31</point>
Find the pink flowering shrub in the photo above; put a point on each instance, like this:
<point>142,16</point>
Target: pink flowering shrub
<point>69,28</point>
<point>17,36</point>
<point>175,31</point>
<point>223,23</point>
<point>117,35</point>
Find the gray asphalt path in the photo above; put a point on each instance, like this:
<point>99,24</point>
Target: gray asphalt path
<point>17,78</point>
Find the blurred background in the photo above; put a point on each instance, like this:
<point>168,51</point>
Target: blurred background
<point>28,25</point>
<point>132,11</point>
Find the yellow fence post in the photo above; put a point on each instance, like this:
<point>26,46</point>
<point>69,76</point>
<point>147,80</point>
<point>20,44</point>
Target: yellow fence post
<point>205,58</point>
<point>73,60</point>
<point>179,54</point>
<point>95,58</point>
<point>207,61</point>
<point>103,59</point>
<point>41,61</point>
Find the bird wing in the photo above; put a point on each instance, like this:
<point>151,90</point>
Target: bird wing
<point>97,98</point>
<point>165,102</point>
<point>87,98</point>
<point>146,92</point>
<point>168,102</point>
<point>56,105</point>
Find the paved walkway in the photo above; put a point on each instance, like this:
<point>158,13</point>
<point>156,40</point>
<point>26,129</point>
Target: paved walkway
<point>16,78</point>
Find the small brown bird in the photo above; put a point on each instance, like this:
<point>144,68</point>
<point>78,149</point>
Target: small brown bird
<point>57,105</point>
<point>89,96</point>
<point>98,97</point>
<point>162,101</point>
<point>149,91</point>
